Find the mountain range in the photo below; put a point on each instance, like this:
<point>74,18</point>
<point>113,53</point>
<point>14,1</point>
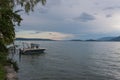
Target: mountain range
<point>106,38</point>
<point>101,39</point>
<point>110,39</point>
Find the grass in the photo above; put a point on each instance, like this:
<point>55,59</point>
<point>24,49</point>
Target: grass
<point>2,72</point>
<point>3,61</point>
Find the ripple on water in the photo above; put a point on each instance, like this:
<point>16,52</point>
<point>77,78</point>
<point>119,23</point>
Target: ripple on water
<point>73,61</point>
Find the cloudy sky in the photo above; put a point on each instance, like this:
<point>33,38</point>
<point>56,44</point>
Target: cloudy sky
<point>72,19</point>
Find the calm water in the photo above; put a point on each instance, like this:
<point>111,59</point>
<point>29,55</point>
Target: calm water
<point>72,61</point>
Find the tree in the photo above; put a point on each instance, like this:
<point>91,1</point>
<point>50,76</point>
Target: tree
<point>9,17</point>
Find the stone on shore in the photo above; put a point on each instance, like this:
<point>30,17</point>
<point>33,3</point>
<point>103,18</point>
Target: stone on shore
<point>11,73</point>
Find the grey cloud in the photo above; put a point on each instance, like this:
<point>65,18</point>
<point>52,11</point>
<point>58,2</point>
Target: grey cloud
<point>109,15</point>
<point>51,3</point>
<point>32,33</point>
<point>112,8</point>
<point>16,31</point>
<point>43,11</point>
<point>109,8</point>
<point>85,17</point>
<point>35,32</point>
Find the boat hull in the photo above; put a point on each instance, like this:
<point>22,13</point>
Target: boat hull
<point>34,51</point>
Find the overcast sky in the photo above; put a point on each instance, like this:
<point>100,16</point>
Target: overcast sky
<point>72,19</point>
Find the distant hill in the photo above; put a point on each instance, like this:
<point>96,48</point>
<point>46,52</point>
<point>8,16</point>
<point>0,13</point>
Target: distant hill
<point>106,38</point>
<point>91,40</point>
<point>116,39</point>
<point>101,39</point>
<point>83,40</point>
<point>110,39</point>
<point>37,39</point>
<point>76,40</point>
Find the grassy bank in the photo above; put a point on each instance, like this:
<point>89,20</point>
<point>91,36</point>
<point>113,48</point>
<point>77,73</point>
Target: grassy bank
<point>6,62</point>
<point>2,72</point>
<point>3,62</point>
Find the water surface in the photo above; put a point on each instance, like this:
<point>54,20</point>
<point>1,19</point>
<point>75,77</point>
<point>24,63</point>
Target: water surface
<point>69,60</point>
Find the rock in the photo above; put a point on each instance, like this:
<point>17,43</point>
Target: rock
<point>11,73</point>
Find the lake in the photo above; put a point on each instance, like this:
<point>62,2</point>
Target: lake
<point>70,60</point>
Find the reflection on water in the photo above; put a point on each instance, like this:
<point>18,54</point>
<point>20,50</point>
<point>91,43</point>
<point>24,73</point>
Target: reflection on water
<point>72,61</point>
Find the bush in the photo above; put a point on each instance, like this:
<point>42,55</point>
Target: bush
<point>3,58</point>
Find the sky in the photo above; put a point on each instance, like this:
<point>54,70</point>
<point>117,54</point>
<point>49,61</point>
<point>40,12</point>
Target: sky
<point>72,19</point>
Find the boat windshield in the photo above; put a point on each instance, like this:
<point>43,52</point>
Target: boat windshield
<point>34,45</point>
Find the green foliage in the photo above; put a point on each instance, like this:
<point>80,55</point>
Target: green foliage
<point>2,73</point>
<point>9,17</point>
<point>3,48</point>
<point>3,60</point>
<point>29,5</point>
<point>3,53</point>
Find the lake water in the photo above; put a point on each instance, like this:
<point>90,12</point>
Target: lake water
<point>69,60</point>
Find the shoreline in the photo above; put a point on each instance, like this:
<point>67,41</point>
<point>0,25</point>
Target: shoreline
<point>11,74</point>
